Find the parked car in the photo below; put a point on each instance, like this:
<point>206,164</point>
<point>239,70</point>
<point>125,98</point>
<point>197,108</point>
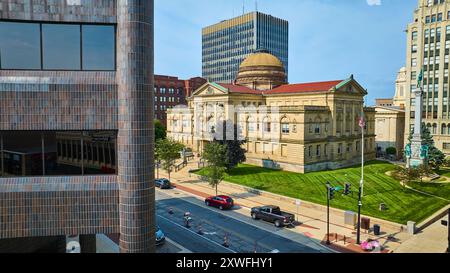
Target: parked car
<point>273,214</point>
<point>162,183</point>
<point>222,202</point>
<point>160,236</point>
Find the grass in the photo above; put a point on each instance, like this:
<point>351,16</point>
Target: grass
<point>444,172</point>
<point>438,189</point>
<point>402,204</point>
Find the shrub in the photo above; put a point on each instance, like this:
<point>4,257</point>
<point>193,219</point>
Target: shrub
<point>391,151</point>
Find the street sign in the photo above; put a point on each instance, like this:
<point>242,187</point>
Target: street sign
<point>444,223</point>
<point>298,202</point>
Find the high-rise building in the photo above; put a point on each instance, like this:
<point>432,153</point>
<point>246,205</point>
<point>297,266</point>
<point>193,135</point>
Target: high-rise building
<point>226,44</point>
<point>171,91</point>
<point>428,48</point>
<point>76,124</point>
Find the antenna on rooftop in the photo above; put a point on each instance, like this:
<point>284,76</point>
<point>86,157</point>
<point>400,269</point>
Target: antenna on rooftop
<point>256,5</point>
<point>243,7</point>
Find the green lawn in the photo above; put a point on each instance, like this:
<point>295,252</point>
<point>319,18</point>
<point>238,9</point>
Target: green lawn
<point>403,204</point>
<point>438,189</point>
<point>444,172</point>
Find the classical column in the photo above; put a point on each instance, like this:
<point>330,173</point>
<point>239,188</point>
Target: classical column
<point>416,142</point>
<point>135,140</point>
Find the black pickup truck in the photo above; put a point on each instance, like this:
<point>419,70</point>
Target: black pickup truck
<point>273,214</point>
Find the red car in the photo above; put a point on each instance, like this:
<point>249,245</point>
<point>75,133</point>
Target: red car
<point>222,202</point>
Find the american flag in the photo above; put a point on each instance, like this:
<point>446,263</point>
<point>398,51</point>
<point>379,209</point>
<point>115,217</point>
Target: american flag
<point>362,122</point>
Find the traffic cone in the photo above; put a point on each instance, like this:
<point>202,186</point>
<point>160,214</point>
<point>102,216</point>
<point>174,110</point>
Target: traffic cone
<point>200,230</point>
<point>225,241</point>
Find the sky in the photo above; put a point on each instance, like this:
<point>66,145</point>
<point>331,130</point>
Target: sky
<point>328,39</point>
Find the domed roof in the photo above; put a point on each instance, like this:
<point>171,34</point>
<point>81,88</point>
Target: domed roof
<point>261,58</point>
<point>261,71</point>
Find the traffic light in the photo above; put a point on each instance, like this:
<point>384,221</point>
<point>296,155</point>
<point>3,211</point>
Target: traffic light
<point>331,192</point>
<point>347,189</point>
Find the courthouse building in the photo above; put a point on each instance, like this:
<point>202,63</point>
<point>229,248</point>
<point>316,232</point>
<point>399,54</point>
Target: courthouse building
<point>296,127</point>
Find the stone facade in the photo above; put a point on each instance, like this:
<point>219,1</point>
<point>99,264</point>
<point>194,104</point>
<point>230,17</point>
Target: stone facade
<point>389,129</point>
<point>428,45</point>
<point>295,127</point>
<point>85,100</point>
<point>401,88</point>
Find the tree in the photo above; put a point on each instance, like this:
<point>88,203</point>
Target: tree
<point>423,171</point>
<point>216,155</point>
<point>160,130</point>
<point>406,174</point>
<point>215,175</point>
<point>235,152</point>
<point>168,151</point>
<point>435,157</point>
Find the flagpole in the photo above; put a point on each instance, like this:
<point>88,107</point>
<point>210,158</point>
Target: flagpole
<point>362,124</point>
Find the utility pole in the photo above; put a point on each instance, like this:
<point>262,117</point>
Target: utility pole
<point>328,212</point>
<point>448,227</point>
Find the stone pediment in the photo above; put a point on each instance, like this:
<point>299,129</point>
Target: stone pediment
<point>351,86</point>
<point>210,89</point>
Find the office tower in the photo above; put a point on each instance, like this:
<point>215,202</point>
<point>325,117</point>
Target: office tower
<point>428,48</point>
<point>76,124</point>
<point>226,44</point>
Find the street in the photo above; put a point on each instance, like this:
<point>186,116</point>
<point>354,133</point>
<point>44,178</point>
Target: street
<point>216,226</point>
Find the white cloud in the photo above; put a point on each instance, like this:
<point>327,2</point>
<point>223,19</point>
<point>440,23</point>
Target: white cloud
<point>374,2</point>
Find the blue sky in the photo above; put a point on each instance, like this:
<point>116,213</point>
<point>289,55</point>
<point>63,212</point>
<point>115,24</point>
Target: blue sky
<point>328,39</point>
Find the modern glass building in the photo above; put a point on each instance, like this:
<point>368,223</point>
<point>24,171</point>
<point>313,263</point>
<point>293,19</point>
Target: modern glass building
<point>226,44</point>
<point>76,125</point>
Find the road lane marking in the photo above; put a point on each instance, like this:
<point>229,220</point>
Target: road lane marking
<point>322,247</point>
<point>183,249</point>
<point>209,240</point>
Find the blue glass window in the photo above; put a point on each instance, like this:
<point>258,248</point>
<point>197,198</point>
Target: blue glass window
<point>20,46</point>
<point>98,47</point>
<point>61,46</point>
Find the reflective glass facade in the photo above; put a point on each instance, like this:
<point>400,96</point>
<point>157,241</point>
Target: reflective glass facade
<point>57,153</point>
<point>72,47</point>
<point>227,44</point>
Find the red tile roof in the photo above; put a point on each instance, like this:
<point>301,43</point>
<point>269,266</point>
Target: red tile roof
<point>287,88</point>
<point>305,87</point>
<point>240,89</point>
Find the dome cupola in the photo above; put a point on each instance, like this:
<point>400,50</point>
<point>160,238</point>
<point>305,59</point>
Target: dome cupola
<point>261,71</point>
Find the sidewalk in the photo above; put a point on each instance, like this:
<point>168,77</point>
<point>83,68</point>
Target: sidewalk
<point>312,222</point>
<point>430,240</point>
